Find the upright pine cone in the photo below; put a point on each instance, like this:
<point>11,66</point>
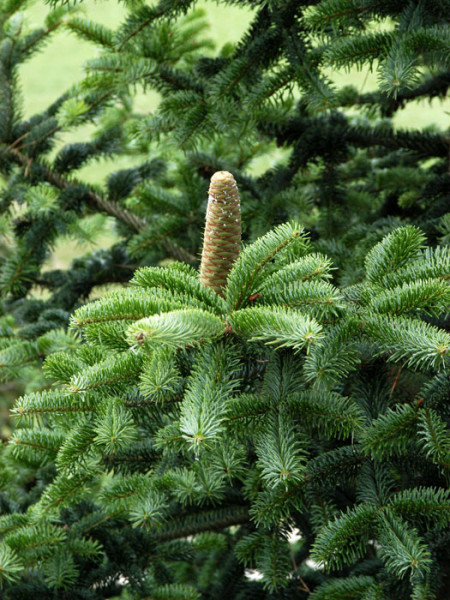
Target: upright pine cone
<point>222,238</point>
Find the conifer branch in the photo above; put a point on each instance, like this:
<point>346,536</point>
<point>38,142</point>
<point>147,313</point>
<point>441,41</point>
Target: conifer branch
<point>192,524</point>
<point>435,86</point>
<point>97,201</point>
<point>108,206</point>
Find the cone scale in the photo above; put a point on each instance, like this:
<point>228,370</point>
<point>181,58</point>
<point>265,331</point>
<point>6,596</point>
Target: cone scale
<point>222,237</point>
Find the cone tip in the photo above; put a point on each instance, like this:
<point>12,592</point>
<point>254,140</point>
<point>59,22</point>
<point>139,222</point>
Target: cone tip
<point>221,177</point>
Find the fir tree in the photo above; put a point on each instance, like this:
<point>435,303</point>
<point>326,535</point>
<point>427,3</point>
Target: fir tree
<point>351,180</point>
<point>201,429</point>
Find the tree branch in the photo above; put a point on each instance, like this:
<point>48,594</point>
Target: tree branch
<point>214,520</point>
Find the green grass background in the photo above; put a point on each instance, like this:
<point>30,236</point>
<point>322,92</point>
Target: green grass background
<point>60,64</point>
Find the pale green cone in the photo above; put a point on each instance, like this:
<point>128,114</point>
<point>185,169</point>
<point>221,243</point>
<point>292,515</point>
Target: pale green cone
<point>222,237</point>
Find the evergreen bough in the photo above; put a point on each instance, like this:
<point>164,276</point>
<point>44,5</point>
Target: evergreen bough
<point>193,432</point>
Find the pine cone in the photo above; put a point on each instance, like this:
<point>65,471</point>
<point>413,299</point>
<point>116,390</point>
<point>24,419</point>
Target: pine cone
<point>222,237</point>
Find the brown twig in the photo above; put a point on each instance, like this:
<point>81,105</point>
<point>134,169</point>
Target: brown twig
<point>394,385</point>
